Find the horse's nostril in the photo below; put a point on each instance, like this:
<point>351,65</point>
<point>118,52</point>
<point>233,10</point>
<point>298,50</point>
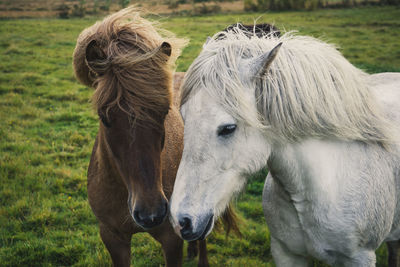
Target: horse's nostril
<point>193,230</point>
<point>147,220</point>
<point>136,216</point>
<point>186,224</point>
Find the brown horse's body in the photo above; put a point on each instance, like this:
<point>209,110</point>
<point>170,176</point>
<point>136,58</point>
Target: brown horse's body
<point>139,143</point>
<point>108,196</point>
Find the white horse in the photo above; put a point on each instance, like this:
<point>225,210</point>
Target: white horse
<point>327,132</point>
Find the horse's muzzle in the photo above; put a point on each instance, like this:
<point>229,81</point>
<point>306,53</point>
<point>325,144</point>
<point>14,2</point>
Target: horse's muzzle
<point>203,228</point>
<point>147,219</point>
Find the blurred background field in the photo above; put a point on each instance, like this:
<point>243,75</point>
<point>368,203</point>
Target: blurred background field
<point>81,8</point>
<point>48,129</point>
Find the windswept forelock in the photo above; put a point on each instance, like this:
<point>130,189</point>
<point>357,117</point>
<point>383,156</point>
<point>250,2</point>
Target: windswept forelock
<point>310,89</point>
<point>134,75</point>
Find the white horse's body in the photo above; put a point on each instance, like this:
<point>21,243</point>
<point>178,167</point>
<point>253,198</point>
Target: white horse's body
<point>335,200</point>
<point>330,140</point>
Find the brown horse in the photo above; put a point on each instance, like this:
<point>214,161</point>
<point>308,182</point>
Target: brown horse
<point>139,142</point>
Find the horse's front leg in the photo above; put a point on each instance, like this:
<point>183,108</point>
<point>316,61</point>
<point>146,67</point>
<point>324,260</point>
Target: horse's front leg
<point>171,243</point>
<point>284,258</point>
<point>203,258</point>
<point>394,255</point>
<point>192,250</point>
<point>119,246</point>
<point>198,247</point>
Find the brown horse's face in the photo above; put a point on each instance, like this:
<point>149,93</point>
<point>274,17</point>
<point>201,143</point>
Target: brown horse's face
<point>134,145</point>
<point>136,155</point>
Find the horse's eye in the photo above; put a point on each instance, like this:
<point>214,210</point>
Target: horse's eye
<point>226,130</point>
<point>105,121</point>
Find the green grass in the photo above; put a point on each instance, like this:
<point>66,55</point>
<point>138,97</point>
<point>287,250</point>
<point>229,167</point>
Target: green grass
<point>48,129</point>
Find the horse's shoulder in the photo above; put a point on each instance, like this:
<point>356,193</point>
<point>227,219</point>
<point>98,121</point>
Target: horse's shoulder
<point>178,78</point>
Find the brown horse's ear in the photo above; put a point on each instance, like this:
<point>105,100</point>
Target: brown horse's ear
<point>166,48</point>
<point>96,59</point>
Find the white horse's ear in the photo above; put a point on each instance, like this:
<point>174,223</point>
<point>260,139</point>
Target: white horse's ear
<point>259,66</point>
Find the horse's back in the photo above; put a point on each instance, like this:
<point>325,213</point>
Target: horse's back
<point>178,78</point>
<point>386,87</point>
<point>386,90</point>
<point>385,79</point>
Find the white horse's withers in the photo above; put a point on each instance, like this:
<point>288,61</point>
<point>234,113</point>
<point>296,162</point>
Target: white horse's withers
<point>327,131</point>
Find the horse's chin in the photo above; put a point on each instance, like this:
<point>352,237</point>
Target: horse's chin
<point>208,229</point>
<point>202,231</point>
<point>206,232</point>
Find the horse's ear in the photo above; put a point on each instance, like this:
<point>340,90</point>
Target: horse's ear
<point>166,49</point>
<point>260,65</point>
<point>95,57</point>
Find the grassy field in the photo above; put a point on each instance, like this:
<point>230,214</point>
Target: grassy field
<point>51,8</point>
<point>48,129</point>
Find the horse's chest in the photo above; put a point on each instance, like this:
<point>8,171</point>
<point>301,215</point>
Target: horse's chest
<point>305,227</point>
<point>282,218</point>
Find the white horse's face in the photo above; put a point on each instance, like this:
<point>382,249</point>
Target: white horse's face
<point>218,153</point>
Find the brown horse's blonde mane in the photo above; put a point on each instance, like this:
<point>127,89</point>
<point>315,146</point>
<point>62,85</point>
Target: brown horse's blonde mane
<point>132,74</point>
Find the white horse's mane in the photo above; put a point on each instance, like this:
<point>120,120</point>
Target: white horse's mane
<point>309,90</point>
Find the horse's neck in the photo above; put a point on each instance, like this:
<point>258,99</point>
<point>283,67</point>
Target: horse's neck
<point>105,164</point>
<point>172,152</point>
<point>315,169</point>
<point>173,147</point>
<point>178,78</point>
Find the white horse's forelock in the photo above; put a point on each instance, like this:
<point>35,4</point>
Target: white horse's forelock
<point>310,89</point>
